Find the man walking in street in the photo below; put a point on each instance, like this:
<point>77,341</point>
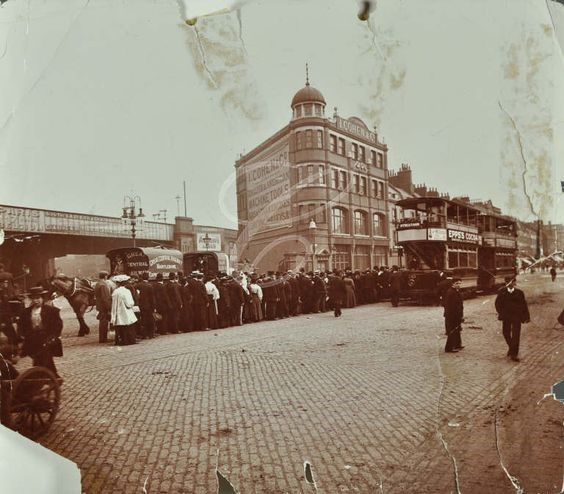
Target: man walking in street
<point>103,295</point>
<point>512,310</point>
<point>337,292</point>
<point>395,286</point>
<point>454,315</point>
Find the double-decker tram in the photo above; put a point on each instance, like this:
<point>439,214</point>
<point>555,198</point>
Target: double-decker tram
<point>437,234</point>
<point>497,255</point>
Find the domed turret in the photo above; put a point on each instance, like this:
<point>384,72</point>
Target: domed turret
<point>308,101</point>
<point>308,94</point>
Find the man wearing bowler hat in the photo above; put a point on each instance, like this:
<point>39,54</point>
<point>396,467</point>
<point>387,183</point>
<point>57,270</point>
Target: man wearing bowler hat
<point>512,310</point>
<point>454,315</point>
<point>41,325</point>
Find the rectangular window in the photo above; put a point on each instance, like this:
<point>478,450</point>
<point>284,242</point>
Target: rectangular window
<point>308,109</point>
<point>381,190</point>
<point>321,174</point>
<point>363,186</point>
<point>372,157</point>
<point>309,138</point>
<point>379,160</point>
<point>360,223</point>
<point>376,224</point>
<point>299,140</point>
<point>362,257</point>
<point>300,175</point>
<point>341,148</point>
<point>453,259</point>
<point>333,143</point>
<point>338,221</point>
<point>334,178</point>
<point>354,148</point>
<point>463,259</point>
<point>310,212</point>
<point>310,175</point>
<point>356,186</point>
<point>320,139</point>
<point>318,110</point>
<point>341,257</point>
<point>361,154</point>
<point>374,188</point>
<point>299,111</point>
<point>344,182</point>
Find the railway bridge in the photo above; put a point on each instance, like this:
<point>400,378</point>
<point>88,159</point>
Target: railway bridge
<point>33,238</point>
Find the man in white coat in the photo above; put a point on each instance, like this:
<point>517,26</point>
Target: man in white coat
<point>123,317</point>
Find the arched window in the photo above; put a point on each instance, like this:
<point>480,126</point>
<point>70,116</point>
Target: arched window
<point>378,225</point>
<point>360,223</point>
<point>339,220</point>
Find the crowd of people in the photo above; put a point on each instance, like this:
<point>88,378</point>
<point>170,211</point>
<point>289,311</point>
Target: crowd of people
<point>175,303</point>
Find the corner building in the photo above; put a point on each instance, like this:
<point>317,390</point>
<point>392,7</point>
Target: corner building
<point>314,194</point>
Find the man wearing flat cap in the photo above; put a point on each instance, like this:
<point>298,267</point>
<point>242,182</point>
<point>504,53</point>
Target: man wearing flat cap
<point>512,310</point>
<point>41,325</point>
<point>454,315</point>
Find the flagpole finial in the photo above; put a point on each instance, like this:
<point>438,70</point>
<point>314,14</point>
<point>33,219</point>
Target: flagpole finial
<point>307,74</point>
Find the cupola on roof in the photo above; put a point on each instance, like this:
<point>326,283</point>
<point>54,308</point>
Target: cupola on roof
<point>308,94</point>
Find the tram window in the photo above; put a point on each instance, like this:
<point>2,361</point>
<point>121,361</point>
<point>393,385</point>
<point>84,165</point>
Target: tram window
<point>463,259</point>
<point>453,259</point>
<point>472,259</point>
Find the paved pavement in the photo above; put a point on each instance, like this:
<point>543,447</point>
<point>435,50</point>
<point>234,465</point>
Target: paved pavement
<point>369,399</point>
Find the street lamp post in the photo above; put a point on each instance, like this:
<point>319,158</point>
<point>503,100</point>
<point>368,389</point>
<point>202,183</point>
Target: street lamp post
<point>131,216</point>
<point>312,231</point>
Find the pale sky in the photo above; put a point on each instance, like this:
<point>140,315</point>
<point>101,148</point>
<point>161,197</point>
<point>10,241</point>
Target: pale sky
<point>104,98</point>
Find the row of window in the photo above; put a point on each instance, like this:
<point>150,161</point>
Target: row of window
<point>310,139</point>
<point>462,259</point>
<point>315,175</point>
<point>340,222</point>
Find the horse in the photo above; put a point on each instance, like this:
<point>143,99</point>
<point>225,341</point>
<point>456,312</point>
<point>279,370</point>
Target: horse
<point>78,291</point>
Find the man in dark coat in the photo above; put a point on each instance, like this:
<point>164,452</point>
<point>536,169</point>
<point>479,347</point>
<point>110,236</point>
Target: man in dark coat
<point>395,286</point>
<point>175,296</point>
<point>41,325</point>
<point>319,292</point>
<point>294,293</point>
<point>103,295</point>
<point>454,315</point>
<point>282,307</point>
<point>337,292</point>
<point>146,307</point>
<point>512,310</point>
<point>199,300</point>
<point>224,302</point>
<point>270,297</point>
<point>163,304</point>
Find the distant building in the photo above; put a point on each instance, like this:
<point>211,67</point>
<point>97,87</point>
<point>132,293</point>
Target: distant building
<point>315,193</point>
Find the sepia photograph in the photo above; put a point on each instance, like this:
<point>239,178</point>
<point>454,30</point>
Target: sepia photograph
<point>281,246</point>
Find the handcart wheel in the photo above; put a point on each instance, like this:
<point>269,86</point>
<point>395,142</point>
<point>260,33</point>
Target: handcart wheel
<point>33,402</point>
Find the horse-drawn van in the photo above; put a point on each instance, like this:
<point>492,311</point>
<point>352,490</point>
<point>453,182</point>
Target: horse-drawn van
<point>134,261</point>
<point>208,263</point>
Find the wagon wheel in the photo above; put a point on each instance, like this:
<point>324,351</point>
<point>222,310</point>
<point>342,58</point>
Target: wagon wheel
<point>33,402</point>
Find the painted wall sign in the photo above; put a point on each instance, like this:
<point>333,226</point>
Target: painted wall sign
<point>268,191</point>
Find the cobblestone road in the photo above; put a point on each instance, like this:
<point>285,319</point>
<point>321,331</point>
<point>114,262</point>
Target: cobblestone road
<point>369,399</point>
